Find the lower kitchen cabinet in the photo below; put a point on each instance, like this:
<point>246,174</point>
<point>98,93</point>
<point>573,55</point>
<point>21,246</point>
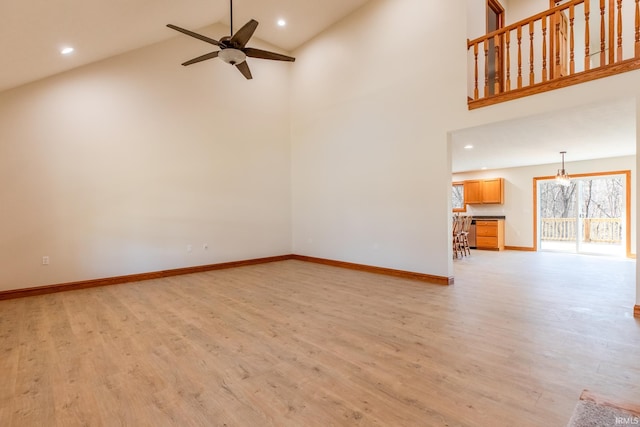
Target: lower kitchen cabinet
<point>490,234</point>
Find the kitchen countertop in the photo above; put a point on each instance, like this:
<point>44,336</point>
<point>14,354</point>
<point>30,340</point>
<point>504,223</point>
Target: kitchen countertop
<point>488,217</point>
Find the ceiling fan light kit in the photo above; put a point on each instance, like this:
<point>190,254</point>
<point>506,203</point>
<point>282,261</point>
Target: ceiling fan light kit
<point>233,49</point>
<point>232,56</point>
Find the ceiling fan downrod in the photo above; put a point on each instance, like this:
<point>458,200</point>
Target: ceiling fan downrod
<point>231,14</point>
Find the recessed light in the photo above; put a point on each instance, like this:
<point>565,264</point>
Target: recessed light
<point>67,50</point>
<point>468,147</point>
<point>484,168</point>
<point>282,23</point>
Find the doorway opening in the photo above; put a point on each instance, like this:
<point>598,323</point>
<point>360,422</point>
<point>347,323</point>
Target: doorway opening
<point>590,215</point>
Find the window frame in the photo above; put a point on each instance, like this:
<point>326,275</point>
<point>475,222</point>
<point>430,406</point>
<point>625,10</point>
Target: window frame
<point>464,203</point>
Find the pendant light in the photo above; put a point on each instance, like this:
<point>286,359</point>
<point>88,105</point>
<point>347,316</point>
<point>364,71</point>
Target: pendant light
<point>562,177</point>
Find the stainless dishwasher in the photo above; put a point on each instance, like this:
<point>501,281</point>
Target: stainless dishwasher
<point>472,235</point>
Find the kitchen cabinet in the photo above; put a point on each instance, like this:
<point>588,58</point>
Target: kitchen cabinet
<point>484,191</point>
<point>472,192</point>
<point>490,234</point>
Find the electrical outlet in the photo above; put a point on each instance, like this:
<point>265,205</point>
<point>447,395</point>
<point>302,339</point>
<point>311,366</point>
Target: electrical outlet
<point>189,248</point>
<point>205,246</point>
<point>45,260</point>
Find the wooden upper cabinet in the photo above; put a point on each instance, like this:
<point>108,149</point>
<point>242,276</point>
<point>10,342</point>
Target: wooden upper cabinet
<point>473,191</point>
<point>484,191</point>
<point>493,191</point>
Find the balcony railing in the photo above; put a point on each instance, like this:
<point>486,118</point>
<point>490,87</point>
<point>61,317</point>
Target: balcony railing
<point>578,41</point>
<point>593,230</point>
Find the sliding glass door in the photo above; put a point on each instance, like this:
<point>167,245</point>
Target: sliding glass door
<point>586,216</point>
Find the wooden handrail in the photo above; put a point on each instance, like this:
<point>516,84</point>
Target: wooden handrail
<point>523,22</point>
<point>552,50</point>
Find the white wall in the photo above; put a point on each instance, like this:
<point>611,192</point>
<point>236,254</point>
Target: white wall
<point>522,9</point>
<point>637,183</point>
<point>518,206</point>
<point>371,106</point>
<point>116,167</point>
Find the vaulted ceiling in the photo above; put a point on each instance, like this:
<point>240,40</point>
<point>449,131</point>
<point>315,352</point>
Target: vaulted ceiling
<point>33,32</point>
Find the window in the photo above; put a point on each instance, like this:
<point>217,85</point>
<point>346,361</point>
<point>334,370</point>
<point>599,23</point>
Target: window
<point>587,216</point>
<point>457,197</point>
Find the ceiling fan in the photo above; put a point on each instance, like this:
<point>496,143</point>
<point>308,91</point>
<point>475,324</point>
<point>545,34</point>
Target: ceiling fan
<point>233,48</point>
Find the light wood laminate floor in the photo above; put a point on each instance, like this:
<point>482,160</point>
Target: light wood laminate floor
<point>513,343</point>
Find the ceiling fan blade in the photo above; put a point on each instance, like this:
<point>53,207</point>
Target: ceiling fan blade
<point>202,58</point>
<point>195,35</point>
<point>263,54</point>
<point>240,39</point>
<point>244,69</point>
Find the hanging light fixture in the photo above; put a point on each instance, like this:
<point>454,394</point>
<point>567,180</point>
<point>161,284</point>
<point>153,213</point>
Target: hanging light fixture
<point>562,177</point>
